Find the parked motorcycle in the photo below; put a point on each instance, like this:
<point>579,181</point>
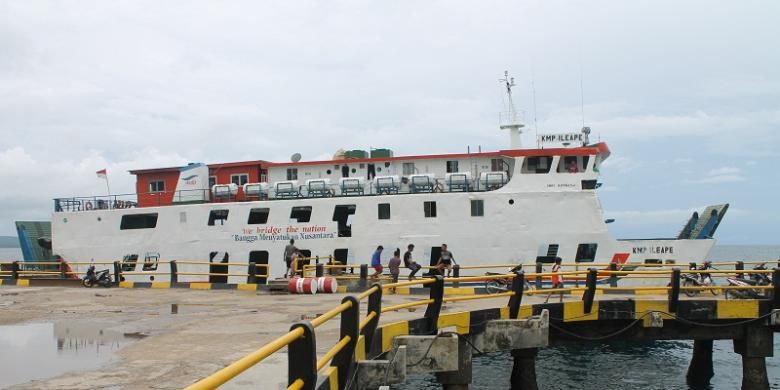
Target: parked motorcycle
<point>99,278</point>
<point>702,279</point>
<point>752,279</point>
<point>495,286</point>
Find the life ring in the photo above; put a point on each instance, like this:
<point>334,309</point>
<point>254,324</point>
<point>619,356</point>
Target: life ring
<point>88,205</point>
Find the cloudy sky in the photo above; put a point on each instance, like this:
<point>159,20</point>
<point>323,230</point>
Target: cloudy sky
<point>687,94</point>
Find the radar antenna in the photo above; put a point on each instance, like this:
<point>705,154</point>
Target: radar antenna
<point>508,119</point>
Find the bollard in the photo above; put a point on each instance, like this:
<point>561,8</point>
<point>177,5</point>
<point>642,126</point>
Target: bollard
<point>350,326</point>
<point>317,260</point>
<point>375,305</point>
<point>674,293</point>
<point>319,270</point>
<point>63,270</point>
<point>363,271</point>
<point>456,274</point>
<point>117,272</point>
<point>518,287</point>
<point>251,271</point>
<point>613,278</point>
<point>538,277</point>
<point>174,273</point>
<point>434,308</point>
<point>302,357</point>
<point>590,293</point>
<point>739,267</point>
<point>15,270</point>
<point>776,295</point>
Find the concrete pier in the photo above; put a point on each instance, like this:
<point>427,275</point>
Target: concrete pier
<point>755,347</point>
<point>524,369</point>
<point>700,371</point>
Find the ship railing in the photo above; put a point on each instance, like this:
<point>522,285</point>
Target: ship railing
<point>356,332</point>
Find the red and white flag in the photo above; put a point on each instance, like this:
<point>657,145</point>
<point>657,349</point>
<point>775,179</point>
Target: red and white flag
<point>102,174</point>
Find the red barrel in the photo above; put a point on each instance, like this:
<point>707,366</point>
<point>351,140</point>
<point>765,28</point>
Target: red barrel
<point>327,284</point>
<point>302,286</point>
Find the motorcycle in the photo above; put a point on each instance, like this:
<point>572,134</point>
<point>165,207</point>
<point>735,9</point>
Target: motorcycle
<point>752,279</point>
<point>495,286</point>
<point>99,278</point>
<point>702,279</point>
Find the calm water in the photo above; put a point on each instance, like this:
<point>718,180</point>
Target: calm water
<point>620,366</point>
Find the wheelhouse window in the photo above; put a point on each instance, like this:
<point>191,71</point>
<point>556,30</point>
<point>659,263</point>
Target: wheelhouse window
<point>383,211</point>
<point>477,208</point>
<point>573,164</point>
<point>586,253</point>
<point>138,221</point>
<point>239,179</point>
<point>157,186</point>
<point>218,217</point>
<point>408,168</point>
<point>497,164</point>
<point>537,165</point>
<point>452,166</point>
<point>258,216</point>
<point>301,214</point>
<point>430,209</point>
<point>292,173</point>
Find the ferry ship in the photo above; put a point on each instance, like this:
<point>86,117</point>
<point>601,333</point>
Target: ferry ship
<point>518,206</point>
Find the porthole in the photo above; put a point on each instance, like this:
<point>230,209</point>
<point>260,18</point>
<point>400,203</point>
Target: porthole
<point>328,171</point>
<point>354,170</point>
<point>64,220</point>
<point>379,169</point>
<point>511,201</point>
<point>100,219</point>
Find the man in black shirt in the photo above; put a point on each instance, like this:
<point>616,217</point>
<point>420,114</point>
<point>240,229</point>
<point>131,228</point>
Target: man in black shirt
<point>410,263</point>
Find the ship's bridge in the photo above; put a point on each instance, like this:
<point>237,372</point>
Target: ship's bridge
<point>356,173</point>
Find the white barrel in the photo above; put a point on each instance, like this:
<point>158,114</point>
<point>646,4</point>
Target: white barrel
<point>327,284</point>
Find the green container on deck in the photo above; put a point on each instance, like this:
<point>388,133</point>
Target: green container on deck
<point>381,153</point>
<point>357,153</point>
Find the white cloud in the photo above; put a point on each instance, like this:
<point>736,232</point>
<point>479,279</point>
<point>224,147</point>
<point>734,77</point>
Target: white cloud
<point>720,176</point>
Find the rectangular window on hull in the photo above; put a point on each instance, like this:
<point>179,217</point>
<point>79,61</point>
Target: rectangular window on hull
<point>292,173</point>
<point>157,186</point>
<point>218,217</point>
<point>430,209</point>
<point>383,210</point>
<point>138,221</point>
<point>129,262</point>
<point>301,214</point>
<point>452,166</point>
<point>477,208</point>
<point>342,214</point>
<point>586,253</point>
<point>150,261</point>
<point>258,216</point>
<point>408,169</point>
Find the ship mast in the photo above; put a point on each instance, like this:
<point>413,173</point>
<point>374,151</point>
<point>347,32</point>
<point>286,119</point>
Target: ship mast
<point>508,119</point>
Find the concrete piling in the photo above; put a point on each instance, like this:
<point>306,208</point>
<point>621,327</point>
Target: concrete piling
<point>524,369</point>
<point>755,347</point>
<point>700,371</point>
<point>459,379</point>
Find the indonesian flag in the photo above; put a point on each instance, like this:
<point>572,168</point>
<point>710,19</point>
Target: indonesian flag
<point>101,174</point>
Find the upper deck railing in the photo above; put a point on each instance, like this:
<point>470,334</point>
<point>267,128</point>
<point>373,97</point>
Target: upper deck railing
<point>304,191</point>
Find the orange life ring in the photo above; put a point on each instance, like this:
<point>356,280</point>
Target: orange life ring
<point>88,205</point>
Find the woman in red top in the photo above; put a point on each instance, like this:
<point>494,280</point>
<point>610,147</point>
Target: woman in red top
<point>557,280</point>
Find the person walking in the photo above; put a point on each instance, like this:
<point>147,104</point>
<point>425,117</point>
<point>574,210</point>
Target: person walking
<point>409,261</point>
<point>376,262</point>
<point>289,250</point>
<point>445,261</point>
<point>395,266</point>
<point>557,280</point>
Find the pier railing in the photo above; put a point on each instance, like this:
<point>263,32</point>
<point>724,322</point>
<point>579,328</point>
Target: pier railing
<point>356,331</point>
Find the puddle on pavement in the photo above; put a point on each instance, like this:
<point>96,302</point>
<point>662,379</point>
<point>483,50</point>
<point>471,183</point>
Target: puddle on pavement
<point>45,350</point>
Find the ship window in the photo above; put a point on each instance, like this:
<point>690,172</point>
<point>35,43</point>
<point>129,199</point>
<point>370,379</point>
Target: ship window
<point>129,262</point>
<point>477,208</point>
<point>138,221</point>
<point>452,166</point>
<point>552,250</point>
<point>292,173</point>
<point>150,261</point>
<point>496,164</point>
<point>260,258</point>
<point>343,215</point>
<point>239,179</point>
<point>212,181</point>
<point>570,164</point>
<point>430,209</point>
<point>586,253</point>
<point>383,210</point>
<point>408,168</point>
<point>218,217</point>
<point>157,186</point>
<point>339,257</point>
<point>328,172</point>
<point>653,261</point>
<point>301,213</point>
<point>258,216</point>
<point>539,164</point>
